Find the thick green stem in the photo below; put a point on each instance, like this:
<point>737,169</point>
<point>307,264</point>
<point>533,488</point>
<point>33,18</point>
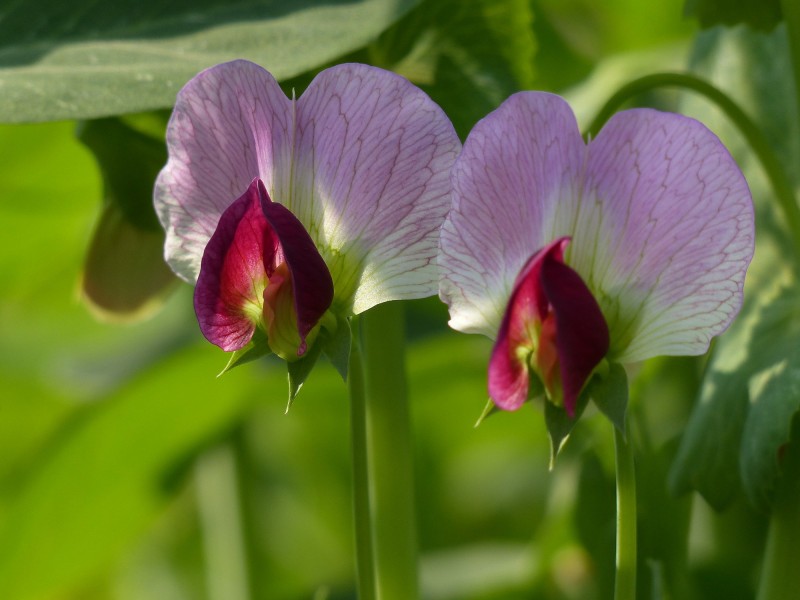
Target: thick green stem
<point>365,568</point>
<point>779,578</point>
<point>781,185</point>
<point>625,583</point>
<point>389,453</point>
<point>219,507</point>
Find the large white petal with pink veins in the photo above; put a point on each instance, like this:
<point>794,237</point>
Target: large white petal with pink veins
<point>231,124</point>
<point>362,158</point>
<point>516,163</point>
<point>660,217</point>
<point>372,164</point>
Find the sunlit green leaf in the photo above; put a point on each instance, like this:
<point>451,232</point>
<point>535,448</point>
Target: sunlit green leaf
<point>77,60</point>
<point>720,441</point>
<point>774,402</point>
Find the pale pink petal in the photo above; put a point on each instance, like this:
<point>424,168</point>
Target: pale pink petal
<point>660,217</point>
<point>231,124</point>
<point>517,164</point>
<point>667,257</point>
<point>371,181</point>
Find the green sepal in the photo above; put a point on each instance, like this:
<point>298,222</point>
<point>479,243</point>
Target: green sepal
<point>336,346</point>
<point>535,392</point>
<point>610,395</point>
<point>258,347</point>
<point>299,371</point>
<point>559,424</point>
<point>488,410</point>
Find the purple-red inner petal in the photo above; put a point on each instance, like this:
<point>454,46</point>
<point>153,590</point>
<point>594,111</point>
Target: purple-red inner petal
<point>553,325</point>
<point>253,237</point>
<point>312,283</point>
<point>582,334</point>
<point>236,263</point>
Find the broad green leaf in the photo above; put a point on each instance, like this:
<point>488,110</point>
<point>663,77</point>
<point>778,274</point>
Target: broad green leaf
<point>751,67</point>
<point>101,482</point>
<point>720,435</point>
<point>774,402</point>
<point>759,14</point>
<point>79,60</point>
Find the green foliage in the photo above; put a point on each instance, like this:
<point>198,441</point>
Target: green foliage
<point>748,398</point>
<point>482,50</point>
<point>125,276</point>
<point>74,61</point>
<point>759,14</point>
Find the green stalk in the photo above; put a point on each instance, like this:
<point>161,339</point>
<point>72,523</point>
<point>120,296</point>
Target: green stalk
<point>779,577</point>
<point>625,583</point>
<point>389,453</point>
<point>219,508</point>
<point>365,569</point>
<point>784,191</point>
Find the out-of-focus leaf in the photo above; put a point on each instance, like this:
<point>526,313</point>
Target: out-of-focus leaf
<point>129,162</point>
<point>78,60</point>
<point>774,402</point>
<point>720,434</point>
<point>101,483</point>
<point>751,67</point>
<point>482,50</point>
<point>125,277</point>
<point>759,14</point>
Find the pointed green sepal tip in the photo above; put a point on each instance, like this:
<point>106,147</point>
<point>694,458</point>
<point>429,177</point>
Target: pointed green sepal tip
<point>336,345</point>
<point>257,348</point>
<point>299,371</point>
<point>488,410</point>
<point>559,424</point>
<point>609,392</point>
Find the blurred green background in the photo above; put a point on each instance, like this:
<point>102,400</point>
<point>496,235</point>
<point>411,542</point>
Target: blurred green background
<point>128,471</point>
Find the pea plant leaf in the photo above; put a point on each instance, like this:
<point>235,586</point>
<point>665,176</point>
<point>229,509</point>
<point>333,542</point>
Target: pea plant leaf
<point>82,59</point>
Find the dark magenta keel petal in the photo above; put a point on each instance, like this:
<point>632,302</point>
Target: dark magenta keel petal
<point>508,371</point>
<point>233,273</point>
<point>582,335</point>
<point>508,374</point>
<point>312,284</point>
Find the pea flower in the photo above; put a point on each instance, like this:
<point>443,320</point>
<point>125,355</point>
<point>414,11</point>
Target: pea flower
<point>291,215</point>
<point>576,255</point>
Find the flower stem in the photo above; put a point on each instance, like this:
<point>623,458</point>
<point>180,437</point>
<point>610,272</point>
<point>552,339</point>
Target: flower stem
<point>383,455</point>
<point>365,570</point>
<point>219,507</point>
<point>779,575</point>
<point>781,185</point>
<point>625,583</point>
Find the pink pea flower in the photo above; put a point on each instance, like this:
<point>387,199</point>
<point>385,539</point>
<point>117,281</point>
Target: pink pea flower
<point>292,215</point>
<point>572,255</point>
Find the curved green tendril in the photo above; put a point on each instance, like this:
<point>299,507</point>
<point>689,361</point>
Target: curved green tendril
<point>778,179</point>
